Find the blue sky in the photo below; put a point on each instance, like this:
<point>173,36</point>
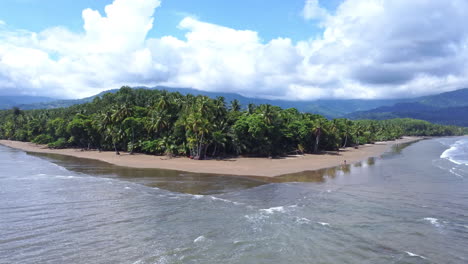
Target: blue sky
<point>271,18</point>
<point>276,49</point>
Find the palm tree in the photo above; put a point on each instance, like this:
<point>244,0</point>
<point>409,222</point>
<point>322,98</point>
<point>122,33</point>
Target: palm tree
<point>347,130</point>
<point>251,108</point>
<point>109,128</point>
<point>199,126</point>
<point>357,131</point>
<point>317,129</point>
<point>219,108</point>
<point>235,105</point>
<point>267,113</point>
<point>16,114</point>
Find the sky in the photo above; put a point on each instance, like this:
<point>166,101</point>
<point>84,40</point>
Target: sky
<point>276,49</point>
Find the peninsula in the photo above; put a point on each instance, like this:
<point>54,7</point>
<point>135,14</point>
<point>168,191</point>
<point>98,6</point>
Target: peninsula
<point>236,166</point>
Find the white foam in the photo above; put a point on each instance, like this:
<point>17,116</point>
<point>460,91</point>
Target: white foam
<point>65,177</point>
<point>303,220</point>
<point>457,153</point>
<point>323,224</point>
<point>414,255</point>
<point>433,221</point>
<point>454,172</point>
<point>272,210</point>
<point>199,239</point>
<point>197,196</point>
<point>128,188</point>
<point>224,200</point>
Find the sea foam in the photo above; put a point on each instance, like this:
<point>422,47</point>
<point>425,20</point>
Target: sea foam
<point>323,224</point>
<point>433,221</point>
<point>457,153</point>
<point>199,239</point>
<point>414,255</point>
<point>272,210</point>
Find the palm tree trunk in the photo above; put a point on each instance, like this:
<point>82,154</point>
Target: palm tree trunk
<point>317,140</point>
<point>214,151</point>
<point>345,141</point>
<point>133,141</point>
<point>115,148</point>
<point>200,144</point>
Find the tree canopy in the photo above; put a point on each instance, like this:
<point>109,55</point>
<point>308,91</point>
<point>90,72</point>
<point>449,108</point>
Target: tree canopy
<point>159,122</point>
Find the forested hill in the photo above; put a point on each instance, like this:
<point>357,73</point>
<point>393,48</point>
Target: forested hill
<point>159,122</point>
<point>447,108</point>
<point>457,98</point>
<point>355,109</point>
<point>328,108</point>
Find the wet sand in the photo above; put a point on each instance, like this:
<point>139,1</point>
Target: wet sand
<point>235,166</point>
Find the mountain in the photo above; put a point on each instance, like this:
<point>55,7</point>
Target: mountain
<point>449,99</point>
<point>17,100</point>
<point>327,108</point>
<point>445,108</point>
<point>450,108</point>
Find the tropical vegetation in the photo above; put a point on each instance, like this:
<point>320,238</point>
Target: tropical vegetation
<point>159,122</point>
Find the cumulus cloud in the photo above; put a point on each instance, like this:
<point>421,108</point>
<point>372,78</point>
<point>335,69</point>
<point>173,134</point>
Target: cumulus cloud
<point>313,10</point>
<point>368,49</point>
<point>111,52</point>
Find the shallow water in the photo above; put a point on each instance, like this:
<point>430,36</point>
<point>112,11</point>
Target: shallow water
<point>408,206</point>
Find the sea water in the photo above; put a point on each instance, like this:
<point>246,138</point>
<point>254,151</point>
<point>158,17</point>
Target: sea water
<point>409,205</point>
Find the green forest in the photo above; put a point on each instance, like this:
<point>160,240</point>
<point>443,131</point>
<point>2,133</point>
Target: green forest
<point>163,123</point>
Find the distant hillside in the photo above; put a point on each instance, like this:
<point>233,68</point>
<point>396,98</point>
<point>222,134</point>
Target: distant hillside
<point>17,100</point>
<point>327,108</point>
<point>449,108</point>
<point>449,99</point>
<point>425,108</point>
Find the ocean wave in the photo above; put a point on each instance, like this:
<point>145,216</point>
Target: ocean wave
<point>433,221</point>
<point>454,172</point>
<point>414,255</point>
<point>199,239</point>
<point>279,209</point>
<point>323,224</point>
<point>66,177</point>
<point>457,153</point>
<point>224,200</point>
<point>302,220</point>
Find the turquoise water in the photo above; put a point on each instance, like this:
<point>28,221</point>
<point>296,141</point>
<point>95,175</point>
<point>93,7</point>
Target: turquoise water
<point>407,206</point>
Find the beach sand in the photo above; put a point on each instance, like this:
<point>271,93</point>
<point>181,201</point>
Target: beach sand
<point>235,166</point>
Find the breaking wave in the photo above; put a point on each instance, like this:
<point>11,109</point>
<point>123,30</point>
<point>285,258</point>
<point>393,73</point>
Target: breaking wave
<point>457,153</point>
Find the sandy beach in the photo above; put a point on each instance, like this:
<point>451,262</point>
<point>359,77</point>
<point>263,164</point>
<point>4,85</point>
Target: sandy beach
<point>235,166</point>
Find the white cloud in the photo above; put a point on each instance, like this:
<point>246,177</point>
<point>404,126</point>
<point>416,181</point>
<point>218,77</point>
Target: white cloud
<point>369,49</point>
<point>312,10</point>
<point>111,52</point>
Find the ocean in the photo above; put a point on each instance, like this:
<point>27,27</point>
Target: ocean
<point>409,205</point>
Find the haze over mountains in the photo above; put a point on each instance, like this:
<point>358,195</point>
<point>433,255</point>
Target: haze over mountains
<point>10,101</point>
<point>450,108</point>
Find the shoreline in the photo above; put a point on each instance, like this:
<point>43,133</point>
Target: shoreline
<point>241,166</point>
